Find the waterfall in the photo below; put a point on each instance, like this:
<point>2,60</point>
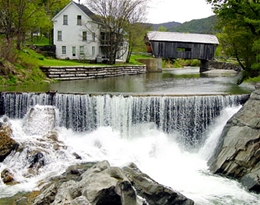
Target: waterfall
<point>122,129</point>
<point>189,116</point>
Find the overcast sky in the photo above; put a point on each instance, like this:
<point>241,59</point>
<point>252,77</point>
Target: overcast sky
<point>162,11</point>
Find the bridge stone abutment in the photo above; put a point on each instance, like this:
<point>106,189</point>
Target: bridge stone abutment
<point>204,66</point>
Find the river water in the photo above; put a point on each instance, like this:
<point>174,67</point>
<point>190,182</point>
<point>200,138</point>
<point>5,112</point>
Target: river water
<point>172,81</point>
<point>139,129</point>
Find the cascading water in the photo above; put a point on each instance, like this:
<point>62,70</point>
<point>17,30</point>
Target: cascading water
<point>152,132</point>
<point>189,116</point>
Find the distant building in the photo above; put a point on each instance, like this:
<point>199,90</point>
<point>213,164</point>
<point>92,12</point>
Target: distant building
<point>182,45</point>
<point>78,34</point>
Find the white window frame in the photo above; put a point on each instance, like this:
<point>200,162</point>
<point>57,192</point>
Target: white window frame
<point>84,35</point>
<point>59,35</point>
<point>73,51</point>
<point>79,20</point>
<point>81,50</point>
<point>93,37</point>
<point>65,19</point>
<point>63,50</point>
<point>93,51</point>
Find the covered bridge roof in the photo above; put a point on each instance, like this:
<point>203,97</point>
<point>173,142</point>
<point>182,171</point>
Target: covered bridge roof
<point>182,37</point>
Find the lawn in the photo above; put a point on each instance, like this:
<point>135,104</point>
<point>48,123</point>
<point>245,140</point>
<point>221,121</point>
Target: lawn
<point>56,62</point>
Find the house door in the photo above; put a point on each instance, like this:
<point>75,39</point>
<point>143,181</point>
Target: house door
<point>73,51</point>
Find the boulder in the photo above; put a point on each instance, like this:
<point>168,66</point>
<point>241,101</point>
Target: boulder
<point>153,192</point>
<point>7,176</point>
<point>7,144</point>
<point>238,152</point>
<point>102,184</point>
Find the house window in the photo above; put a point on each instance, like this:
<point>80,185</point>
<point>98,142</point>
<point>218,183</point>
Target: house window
<point>93,51</point>
<point>65,19</point>
<point>93,37</point>
<point>79,22</point>
<point>84,35</point>
<point>63,50</point>
<point>81,50</point>
<point>59,35</point>
<point>73,50</point>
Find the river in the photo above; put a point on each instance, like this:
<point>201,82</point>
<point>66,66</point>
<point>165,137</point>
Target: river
<point>171,81</point>
<point>167,123</point>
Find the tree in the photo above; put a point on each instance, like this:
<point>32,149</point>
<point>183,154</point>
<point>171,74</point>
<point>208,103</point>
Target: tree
<point>21,17</point>
<point>162,28</point>
<point>117,18</point>
<point>240,20</point>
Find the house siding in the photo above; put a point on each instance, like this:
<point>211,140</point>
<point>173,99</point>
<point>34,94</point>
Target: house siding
<point>72,34</point>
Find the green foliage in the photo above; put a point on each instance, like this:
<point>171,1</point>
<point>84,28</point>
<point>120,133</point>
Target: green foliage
<point>134,57</point>
<point>179,63</point>
<point>162,28</point>
<point>240,21</point>
<point>205,26</point>
<point>39,41</point>
<point>19,19</point>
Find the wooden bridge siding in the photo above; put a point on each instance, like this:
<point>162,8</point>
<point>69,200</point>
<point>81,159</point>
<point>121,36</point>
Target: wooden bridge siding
<point>170,50</point>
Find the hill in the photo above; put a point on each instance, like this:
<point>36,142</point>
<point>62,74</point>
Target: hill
<point>205,25</point>
<point>168,25</point>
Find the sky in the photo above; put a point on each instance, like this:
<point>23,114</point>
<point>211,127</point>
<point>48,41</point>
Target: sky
<point>162,11</point>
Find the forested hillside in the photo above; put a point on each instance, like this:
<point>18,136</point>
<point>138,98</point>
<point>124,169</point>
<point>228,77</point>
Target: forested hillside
<point>205,25</point>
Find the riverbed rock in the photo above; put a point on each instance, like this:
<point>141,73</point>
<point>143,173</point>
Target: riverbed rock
<point>153,192</point>
<point>102,184</point>
<point>7,176</point>
<point>7,144</point>
<point>238,152</point>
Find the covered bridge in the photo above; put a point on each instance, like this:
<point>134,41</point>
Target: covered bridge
<point>182,45</point>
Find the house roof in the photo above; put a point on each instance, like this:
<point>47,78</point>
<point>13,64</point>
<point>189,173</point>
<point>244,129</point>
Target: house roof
<point>88,12</point>
<point>182,37</point>
<point>83,8</point>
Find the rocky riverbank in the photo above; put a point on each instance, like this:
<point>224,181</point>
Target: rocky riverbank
<point>85,183</point>
<point>238,152</point>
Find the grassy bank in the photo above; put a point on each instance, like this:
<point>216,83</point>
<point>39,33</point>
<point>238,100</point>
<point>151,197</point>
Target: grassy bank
<point>23,67</point>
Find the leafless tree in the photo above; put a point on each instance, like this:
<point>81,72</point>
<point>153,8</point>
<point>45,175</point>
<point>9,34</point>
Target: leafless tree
<point>117,18</point>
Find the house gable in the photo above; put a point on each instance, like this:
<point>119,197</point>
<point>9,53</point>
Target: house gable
<point>81,8</point>
<point>76,34</point>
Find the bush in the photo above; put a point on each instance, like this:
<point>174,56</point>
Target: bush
<point>7,51</point>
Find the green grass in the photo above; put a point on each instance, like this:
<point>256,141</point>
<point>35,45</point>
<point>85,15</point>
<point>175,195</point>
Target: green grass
<point>57,62</point>
<point>134,57</point>
<point>39,41</point>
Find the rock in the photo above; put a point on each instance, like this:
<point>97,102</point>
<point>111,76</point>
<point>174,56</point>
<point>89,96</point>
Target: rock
<point>7,144</point>
<point>238,152</point>
<point>224,65</point>
<point>102,184</point>
<point>7,176</point>
<point>153,192</point>
<point>37,161</point>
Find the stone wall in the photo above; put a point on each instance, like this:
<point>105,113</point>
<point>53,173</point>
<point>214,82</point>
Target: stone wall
<point>86,72</point>
<point>223,65</point>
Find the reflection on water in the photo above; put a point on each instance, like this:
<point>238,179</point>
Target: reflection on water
<point>170,81</point>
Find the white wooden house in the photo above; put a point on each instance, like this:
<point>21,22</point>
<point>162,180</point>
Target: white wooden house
<point>77,34</point>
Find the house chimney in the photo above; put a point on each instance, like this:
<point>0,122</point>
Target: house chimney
<point>79,1</point>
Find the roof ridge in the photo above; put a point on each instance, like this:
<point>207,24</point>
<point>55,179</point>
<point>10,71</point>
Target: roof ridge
<point>87,11</point>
